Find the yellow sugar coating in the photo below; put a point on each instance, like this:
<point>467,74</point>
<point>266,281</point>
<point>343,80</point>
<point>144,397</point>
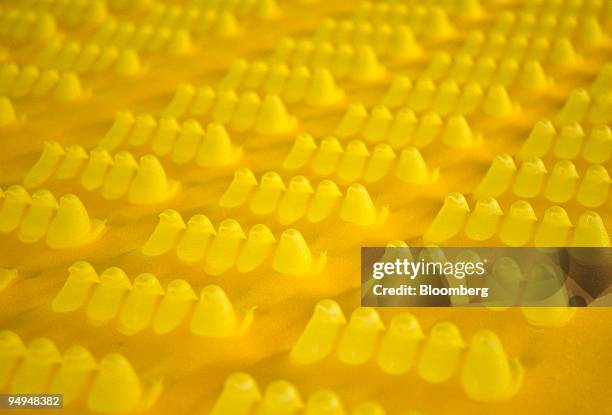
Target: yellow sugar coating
<point>185,188</point>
